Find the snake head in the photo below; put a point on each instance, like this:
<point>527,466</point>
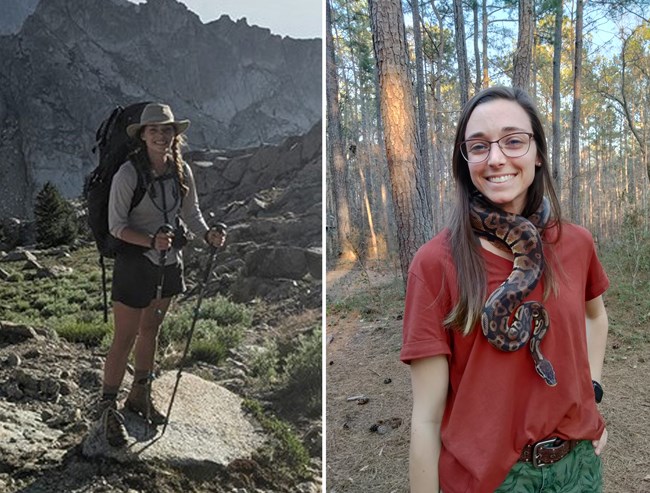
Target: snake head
<point>546,371</point>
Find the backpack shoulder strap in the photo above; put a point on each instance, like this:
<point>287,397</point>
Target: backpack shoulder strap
<point>139,192</point>
<point>144,180</point>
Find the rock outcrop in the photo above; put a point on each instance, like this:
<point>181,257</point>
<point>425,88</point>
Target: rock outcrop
<point>74,60</point>
<point>271,199</point>
<point>48,391</point>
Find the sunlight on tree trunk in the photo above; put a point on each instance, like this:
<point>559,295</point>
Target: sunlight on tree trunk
<point>410,187</point>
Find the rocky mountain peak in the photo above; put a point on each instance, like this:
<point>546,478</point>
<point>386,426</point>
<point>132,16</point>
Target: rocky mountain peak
<point>73,61</point>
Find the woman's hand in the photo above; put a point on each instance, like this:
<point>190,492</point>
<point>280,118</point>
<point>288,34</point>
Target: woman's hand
<point>216,237</point>
<point>162,240</point>
<point>599,444</point>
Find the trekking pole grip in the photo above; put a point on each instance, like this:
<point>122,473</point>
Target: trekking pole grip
<point>164,229</point>
<point>220,228</point>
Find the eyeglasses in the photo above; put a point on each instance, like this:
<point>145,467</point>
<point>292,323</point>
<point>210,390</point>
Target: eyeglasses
<point>476,151</point>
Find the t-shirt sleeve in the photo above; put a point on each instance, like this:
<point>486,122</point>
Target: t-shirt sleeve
<point>597,280</point>
<point>427,303</point>
<point>119,199</point>
<point>190,212</point>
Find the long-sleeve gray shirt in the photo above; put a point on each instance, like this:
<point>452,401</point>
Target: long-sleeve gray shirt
<point>148,215</point>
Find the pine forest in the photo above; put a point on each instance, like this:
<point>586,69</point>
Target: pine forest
<point>586,63</point>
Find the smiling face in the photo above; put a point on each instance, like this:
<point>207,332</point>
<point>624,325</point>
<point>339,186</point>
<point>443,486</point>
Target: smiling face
<point>158,138</point>
<point>503,180</point>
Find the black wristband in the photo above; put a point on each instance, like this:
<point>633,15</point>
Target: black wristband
<point>598,391</point>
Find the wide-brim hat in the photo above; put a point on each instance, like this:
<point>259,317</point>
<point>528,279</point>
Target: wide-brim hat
<point>157,114</point>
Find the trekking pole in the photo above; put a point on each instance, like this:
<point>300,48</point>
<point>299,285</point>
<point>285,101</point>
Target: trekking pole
<point>167,229</point>
<point>206,275</point>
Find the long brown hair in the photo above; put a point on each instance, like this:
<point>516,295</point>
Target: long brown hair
<point>179,164</point>
<point>465,248</point>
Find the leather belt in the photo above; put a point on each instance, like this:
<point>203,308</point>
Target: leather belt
<point>547,452</point>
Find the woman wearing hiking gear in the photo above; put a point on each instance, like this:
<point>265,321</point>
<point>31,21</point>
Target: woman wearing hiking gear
<point>148,270</point>
<point>504,326</point>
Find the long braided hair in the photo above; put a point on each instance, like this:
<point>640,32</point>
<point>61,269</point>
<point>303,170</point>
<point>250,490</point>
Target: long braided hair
<point>179,164</point>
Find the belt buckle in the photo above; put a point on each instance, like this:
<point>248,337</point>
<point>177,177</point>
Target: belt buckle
<point>536,447</point>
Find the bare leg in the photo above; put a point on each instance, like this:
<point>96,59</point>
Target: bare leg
<point>127,320</point>
<point>146,343</point>
<point>139,398</point>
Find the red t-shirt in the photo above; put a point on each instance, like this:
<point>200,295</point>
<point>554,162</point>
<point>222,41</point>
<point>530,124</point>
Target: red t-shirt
<point>497,403</point>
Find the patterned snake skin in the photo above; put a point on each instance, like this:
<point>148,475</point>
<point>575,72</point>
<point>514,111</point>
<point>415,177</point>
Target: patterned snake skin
<point>508,323</point>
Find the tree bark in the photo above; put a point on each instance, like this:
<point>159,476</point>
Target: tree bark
<point>436,96</point>
<point>574,151</point>
<point>461,52</point>
<point>477,54</point>
<point>419,78</point>
<point>524,52</point>
<point>335,146</point>
<point>410,187</point>
<point>557,54</point>
<point>484,43</point>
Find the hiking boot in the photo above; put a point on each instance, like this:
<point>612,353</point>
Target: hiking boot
<point>112,423</point>
<point>139,402</point>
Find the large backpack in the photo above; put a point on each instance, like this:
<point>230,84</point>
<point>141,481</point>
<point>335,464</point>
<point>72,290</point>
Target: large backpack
<point>114,147</point>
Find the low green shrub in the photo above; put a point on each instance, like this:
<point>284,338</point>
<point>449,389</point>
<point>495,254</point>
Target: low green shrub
<point>225,312</point>
<point>264,363</point>
<point>302,371</point>
<point>214,342</point>
<point>90,333</point>
<point>286,451</point>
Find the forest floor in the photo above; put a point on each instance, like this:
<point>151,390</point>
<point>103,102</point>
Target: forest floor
<point>367,444</point>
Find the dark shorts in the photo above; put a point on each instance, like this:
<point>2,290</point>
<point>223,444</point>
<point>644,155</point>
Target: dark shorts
<point>136,278</point>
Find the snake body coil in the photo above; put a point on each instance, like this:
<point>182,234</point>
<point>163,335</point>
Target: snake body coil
<point>507,323</point>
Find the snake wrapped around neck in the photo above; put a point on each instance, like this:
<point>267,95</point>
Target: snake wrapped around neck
<point>507,322</point>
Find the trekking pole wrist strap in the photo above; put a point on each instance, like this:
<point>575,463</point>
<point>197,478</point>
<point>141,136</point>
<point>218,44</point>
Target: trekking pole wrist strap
<point>152,243</point>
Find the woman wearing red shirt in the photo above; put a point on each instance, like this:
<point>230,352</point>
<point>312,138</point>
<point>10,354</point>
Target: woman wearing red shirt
<point>487,418</point>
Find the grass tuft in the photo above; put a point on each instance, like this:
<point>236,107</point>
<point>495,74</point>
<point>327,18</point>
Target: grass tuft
<point>285,451</point>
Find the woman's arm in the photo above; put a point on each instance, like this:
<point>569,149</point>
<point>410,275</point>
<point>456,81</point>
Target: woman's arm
<point>597,325</point>
<point>430,381</point>
<point>190,211</point>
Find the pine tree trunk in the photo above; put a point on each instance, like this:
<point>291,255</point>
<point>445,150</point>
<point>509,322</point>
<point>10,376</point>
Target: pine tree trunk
<point>524,53</point>
<point>461,51</point>
<point>484,43</point>
<point>477,57</point>
<point>439,157</point>
<point>574,151</point>
<point>336,159</point>
<point>422,112</point>
<point>557,53</point>
<point>410,188</point>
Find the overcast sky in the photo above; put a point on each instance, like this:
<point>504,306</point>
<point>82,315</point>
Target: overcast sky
<point>295,18</point>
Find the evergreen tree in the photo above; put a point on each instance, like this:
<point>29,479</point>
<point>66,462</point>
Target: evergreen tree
<point>56,223</point>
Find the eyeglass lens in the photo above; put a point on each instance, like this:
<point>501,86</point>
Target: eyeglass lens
<point>512,145</point>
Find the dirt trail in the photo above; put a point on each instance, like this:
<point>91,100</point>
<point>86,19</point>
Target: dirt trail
<point>363,344</point>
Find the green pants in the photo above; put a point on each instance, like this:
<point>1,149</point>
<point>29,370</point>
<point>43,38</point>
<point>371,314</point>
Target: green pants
<point>579,472</point>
